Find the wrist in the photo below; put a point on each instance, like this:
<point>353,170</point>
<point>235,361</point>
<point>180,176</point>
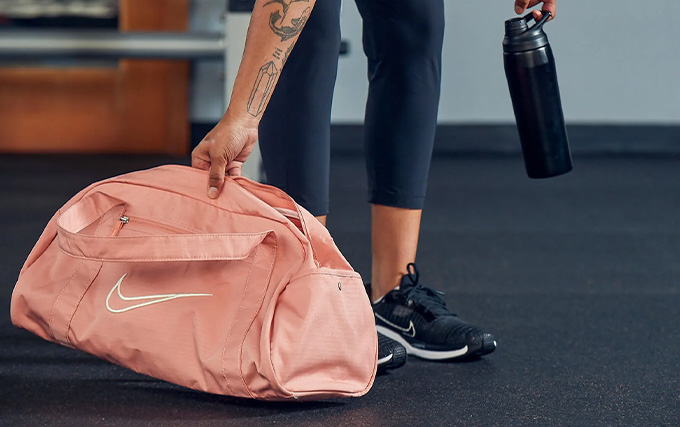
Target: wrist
<point>242,119</point>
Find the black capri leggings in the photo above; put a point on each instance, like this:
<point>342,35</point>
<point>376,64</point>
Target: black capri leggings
<point>403,43</point>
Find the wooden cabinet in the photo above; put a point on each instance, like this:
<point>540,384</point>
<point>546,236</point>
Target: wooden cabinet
<point>138,106</point>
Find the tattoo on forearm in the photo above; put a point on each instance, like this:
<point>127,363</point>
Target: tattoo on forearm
<point>277,53</point>
<point>262,89</point>
<point>285,56</point>
<point>284,26</point>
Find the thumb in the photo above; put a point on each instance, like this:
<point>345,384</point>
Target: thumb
<point>216,180</point>
<point>521,6</point>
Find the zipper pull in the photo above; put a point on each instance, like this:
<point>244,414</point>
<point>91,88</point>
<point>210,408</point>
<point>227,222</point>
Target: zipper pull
<point>123,220</point>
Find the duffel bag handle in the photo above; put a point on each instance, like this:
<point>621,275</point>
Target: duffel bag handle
<point>323,249</point>
<point>169,247</point>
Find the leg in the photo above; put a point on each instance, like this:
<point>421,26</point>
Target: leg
<point>294,132</point>
<point>403,43</point>
<point>394,238</point>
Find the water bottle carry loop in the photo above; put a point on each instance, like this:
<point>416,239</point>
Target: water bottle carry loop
<point>539,24</point>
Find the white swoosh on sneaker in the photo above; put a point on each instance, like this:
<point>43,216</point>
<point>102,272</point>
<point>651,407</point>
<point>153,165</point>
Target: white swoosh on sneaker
<point>411,330</point>
<point>154,299</point>
<point>385,359</point>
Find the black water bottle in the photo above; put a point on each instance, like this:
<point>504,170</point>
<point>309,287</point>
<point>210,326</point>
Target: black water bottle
<point>532,78</point>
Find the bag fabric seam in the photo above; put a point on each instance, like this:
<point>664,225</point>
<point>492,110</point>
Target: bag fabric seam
<point>330,272</point>
<point>56,303</point>
<point>63,289</point>
<point>269,276</point>
<point>231,327</point>
<point>272,301</point>
<point>75,308</point>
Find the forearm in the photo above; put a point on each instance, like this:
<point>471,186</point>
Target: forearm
<point>274,28</point>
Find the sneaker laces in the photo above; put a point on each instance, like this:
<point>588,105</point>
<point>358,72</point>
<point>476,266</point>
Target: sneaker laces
<point>429,299</point>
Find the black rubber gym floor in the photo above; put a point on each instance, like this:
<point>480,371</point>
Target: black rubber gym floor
<point>578,277</point>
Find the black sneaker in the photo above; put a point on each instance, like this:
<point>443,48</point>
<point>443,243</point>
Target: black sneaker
<point>417,318</point>
<point>391,354</point>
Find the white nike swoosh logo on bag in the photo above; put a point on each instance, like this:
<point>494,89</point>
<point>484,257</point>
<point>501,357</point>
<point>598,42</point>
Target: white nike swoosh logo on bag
<point>155,299</point>
<point>411,330</point>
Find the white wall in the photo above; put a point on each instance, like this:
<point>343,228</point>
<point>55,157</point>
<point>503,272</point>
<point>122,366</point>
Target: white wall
<point>617,62</point>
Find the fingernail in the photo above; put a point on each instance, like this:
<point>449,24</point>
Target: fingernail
<point>518,10</point>
<point>212,192</point>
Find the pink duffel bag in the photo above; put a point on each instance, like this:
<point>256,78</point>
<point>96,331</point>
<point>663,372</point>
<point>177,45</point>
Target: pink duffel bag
<point>245,295</point>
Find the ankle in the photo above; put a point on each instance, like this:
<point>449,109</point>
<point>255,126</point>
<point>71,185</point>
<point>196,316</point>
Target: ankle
<point>381,286</point>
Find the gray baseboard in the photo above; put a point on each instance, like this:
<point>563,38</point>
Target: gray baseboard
<point>494,139</point>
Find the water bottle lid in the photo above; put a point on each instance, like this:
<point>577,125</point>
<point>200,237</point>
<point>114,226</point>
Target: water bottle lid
<point>519,37</point>
<point>516,26</point>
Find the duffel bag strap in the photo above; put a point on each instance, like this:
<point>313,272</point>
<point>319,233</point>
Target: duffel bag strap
<point>324,251</point>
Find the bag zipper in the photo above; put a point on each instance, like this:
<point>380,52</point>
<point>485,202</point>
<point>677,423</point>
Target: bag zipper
<point>121,222</point>
<point>147,224</point>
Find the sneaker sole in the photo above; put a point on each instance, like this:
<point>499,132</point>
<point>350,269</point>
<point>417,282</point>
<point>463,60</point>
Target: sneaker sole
<point>486,348</point>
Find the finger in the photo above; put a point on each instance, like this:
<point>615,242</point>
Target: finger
<point>538,15</point>
<point>199,159</point>
<point>234,168</point>
<point>216,179</point>
<point>235,171</point>
<point>548,5</point>
<point>551,7</point>
<point>521,6</point>
<point>200,163</point>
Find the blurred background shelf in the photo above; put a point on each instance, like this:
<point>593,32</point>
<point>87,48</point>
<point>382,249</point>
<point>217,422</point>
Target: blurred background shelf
<point>133,105</point>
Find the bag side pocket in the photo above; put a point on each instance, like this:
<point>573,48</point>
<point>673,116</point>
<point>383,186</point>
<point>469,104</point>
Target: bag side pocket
<point>322,337</point>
